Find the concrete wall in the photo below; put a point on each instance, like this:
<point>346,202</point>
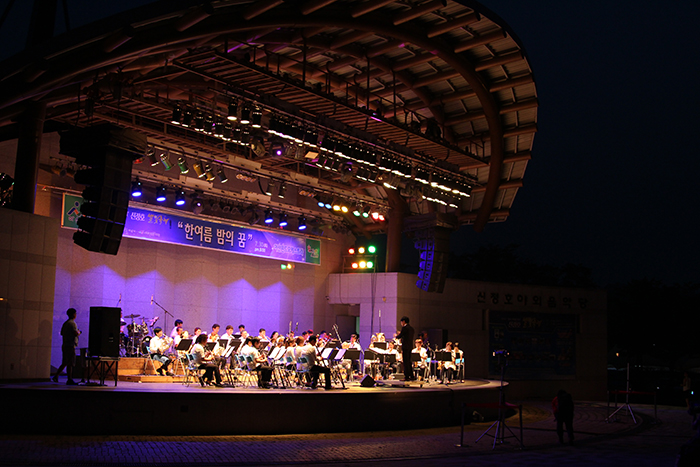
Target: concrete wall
<point>27,276</point>
<point>463,311</point>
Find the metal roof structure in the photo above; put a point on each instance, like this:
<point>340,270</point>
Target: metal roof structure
<point>411,105</point>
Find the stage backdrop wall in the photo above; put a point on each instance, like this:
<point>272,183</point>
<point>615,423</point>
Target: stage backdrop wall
<point>199,286</point>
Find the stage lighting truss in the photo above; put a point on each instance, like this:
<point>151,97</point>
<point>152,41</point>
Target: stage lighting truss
<point>334,150</point>
<point>360,259</point>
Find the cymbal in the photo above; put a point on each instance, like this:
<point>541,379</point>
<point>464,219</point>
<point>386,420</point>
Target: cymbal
<point>122,323</point>
<point>131,316</point>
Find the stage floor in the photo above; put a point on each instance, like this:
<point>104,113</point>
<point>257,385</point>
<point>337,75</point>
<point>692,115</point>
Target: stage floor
<point>135,408</point>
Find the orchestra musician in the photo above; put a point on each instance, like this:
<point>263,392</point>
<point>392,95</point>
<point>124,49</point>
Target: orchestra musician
<point>310,353</point>
<point>203,359</point>
<point>214,334</point>
<point>157,350</point>
<point>177,330</point>
<point>449,367</point>
<point>257,362</point>
<point>420,350</point>
<point>406,335</point>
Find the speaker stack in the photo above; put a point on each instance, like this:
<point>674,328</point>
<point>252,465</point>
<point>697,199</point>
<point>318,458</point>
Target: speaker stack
<point>433,245</point>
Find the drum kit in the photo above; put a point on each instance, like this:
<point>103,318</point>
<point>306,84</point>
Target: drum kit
<point>136,338</point>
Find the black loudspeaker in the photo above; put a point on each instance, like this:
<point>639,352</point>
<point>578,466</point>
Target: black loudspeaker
<point>104,331</point>
<point>367,382</point>
<point>433,245</point>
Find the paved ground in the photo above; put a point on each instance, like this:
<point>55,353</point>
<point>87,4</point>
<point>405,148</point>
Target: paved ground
<point>598,443</point>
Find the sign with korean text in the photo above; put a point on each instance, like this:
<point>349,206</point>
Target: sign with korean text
<point>156,226</point>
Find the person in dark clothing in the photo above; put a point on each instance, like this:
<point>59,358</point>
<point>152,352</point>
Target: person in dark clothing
<point>563,408</point>
<point>406,335</point>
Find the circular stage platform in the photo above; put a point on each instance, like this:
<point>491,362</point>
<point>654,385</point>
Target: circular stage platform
<point>175,409</point>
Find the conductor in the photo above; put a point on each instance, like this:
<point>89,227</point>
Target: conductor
<point>406,335</point>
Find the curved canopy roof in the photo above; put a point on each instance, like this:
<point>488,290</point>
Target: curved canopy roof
<point>418,106</point>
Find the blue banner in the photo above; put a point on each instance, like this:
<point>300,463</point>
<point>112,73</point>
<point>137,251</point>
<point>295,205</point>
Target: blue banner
<point>167,228</point>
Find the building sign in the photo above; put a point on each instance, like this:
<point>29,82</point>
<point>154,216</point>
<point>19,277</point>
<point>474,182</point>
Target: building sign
<point>156,226</point>
<point>532,300</point>
<point>540,345</point>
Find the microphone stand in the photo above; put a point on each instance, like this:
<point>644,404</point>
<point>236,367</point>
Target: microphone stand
<point>165,321</point>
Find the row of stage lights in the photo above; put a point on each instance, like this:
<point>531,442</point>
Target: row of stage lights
<point>334,154</point>
<point>339,206</point>
<point>361,258</point>
<point>137,192</point>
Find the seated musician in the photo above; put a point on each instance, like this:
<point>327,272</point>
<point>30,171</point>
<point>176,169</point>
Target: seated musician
<point>419,349</point>
<point>257,361</point>
<point>309,352</point>
<point>177,330</point>
<point>449,366</point>
<point>214,334</point>
<point>228,335</point>
<point>197,331</point>
<point>391,350</point>
<point>203,359</point>
<point>157,350</point>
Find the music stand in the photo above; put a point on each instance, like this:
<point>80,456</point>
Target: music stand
<point>379,345</point>
<point>210,346</point>
<point>500,424</point>
<point>352,354</point>
<point>184,345</point>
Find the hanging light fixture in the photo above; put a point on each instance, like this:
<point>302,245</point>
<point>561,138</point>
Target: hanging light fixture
<point>222,175</point>
<point>209,173</point>
<point>256,120</point>
<point>136,189</point>
<point>232,111</point>
<point>269,219</point>
<point>161,194</point>
<point>180,198</point>
<point>283,220</point>
<point>245,116</point>
<point>182,163</point>
<point>151,155</point>
<point>165,159</point>
<point>199,169</point>
<point>282,191</point>
<point>269,188</point>
<point>302,223</point>
<point>177,115</point>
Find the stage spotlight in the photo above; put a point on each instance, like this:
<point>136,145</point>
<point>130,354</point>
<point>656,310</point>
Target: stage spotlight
<point>366,211</point>
<point>256,120</point>
<point>357,211</point>
<point>187,118</point>
<point>199,169</point>
<point>177,115</point>
<point>355,265</point>
<point>283,220</point>
<point>302,223</point>
<point>228,131</point>
<point>161,194</point>
<point>351,251</point>
<point>199,121</point>
<point>245,116</point>
<point>180,199</point>
<point>371,249</point>
<point>277,148</point>
<point>136,189</point>
<point>232,112</point>
<point>269,188</point>
<point>209,173</point>
<point>282,191</point>
<point>219,128</point>
<point>151,155</point>
<point>182,163</point>
<point>361,250</point>
<point>222,175</point>
<point>165,159</point>
<point>197,204</point>
<point>269,219</point>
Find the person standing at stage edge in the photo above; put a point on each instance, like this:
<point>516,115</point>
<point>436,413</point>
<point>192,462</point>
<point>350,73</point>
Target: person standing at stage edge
<point>406,335</point>
<point>70,333</point>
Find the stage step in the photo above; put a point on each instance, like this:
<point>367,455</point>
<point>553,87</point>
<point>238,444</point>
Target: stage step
<point>150,378</point>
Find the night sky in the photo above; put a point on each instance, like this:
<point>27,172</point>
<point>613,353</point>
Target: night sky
<point>611,185</point>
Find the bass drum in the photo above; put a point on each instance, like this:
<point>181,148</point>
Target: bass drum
<point>146,345</point>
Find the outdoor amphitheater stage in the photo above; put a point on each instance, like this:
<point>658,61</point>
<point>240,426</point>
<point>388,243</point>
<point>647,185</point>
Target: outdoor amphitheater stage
<point>171,408</point>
